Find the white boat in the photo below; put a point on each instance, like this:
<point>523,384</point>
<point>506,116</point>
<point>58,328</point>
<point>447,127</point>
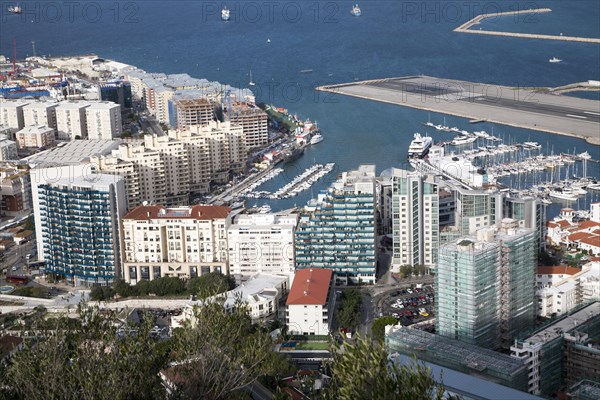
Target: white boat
<point>225,14</point>
<point>594,186</point>
<point>318,138</point>
<point>585,156</point>
<point>15,9</point>
<point>532,145</point>
<point>356,11</point>
<point>554,60</point>
<point>420,146</point>
<point>251,83</point>
<point>459,141</point>
<point>564,195</point>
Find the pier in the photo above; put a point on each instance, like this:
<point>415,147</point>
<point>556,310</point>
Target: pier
<point>518,107</point>
<point>465,28</point>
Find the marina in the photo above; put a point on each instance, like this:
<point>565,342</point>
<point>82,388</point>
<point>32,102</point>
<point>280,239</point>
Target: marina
<point>517,107</point>
<point>300,183</point>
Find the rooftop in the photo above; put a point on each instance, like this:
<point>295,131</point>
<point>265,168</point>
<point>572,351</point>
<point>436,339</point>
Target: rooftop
<point>74,152</point>
<point>32,130</point>
<point>198,212</point>
<point>310,286</point>
<point>471,356</point>
<point>592,241</point>
<point>565,324</point>
<point>103,105</point>
<point>558,270</point>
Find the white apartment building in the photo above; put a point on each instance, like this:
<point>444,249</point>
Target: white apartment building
<point>562,288</point>
<point>143,170</point>
<point>261,243</point>
<point>215,151</point>
<point>40,113</point>
<point>8,149</point>
<point>595,212</point>
<point>415,218</point>
<point>11,113</point>
<point>310,303</point>
<point>103,120</point>
<point>183,242</point>
<point>174,154</point>
<point>37,136</point>
<point>71,120</point>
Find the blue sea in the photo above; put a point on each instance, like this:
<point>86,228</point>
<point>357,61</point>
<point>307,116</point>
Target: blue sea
<point>276,40</point>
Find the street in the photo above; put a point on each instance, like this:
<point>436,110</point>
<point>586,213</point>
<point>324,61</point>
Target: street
<point>15,257</point>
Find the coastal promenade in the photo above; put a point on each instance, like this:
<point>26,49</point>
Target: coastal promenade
<point>465,28</point>
<point>518,107</point>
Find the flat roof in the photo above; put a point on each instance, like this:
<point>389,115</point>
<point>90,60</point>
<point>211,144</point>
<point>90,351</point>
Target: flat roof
<point>74,152</point>
<point>198,212</point>
<point>467,386</point>
<point>565,324</point>
<point>89,181</point>
<point>310,286</point>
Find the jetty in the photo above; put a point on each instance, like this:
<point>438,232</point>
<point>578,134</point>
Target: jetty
<point>518,107</point>
<point>466,27</point>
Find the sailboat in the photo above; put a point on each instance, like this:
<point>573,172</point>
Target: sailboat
<point>251,83</point>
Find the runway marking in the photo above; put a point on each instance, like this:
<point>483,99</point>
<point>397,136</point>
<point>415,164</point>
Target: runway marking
<point>590,112</point>
<point>576,116</point>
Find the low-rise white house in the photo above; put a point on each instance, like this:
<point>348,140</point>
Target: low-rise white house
<point>261,293</point>
<point>562,288</point>
<point>310,303</point>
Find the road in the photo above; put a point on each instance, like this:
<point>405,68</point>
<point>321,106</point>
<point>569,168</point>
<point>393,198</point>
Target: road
<point>15,258</point>
<point>150,125</point>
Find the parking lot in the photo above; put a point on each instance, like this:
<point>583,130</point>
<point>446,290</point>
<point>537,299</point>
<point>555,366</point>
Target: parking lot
<point>410,305</point>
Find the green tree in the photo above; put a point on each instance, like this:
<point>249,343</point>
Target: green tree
<point>349,314</point>
<point>86,361</point>
<point>221,353</point>
<point>101,293</point>
<point>363,371</point>
<point>378,328</point>
<point>210,284</point>
<point>406,271</point>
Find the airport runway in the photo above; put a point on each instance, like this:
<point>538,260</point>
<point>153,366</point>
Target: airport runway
<point>519,107</point>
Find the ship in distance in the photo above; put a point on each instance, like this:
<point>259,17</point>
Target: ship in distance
<point>225,14</point>
<point>420,146</point>
<point>15,9</point>
<point>356,11</point>
<point>554,60</point>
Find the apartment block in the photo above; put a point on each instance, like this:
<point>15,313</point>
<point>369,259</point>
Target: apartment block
<point>310,303</point>
<point>71,122</point>
<point>415,218</point>
<point>185,112</point>
<point>184,242</point>
<point>8,149</point>
<point>261,243</point>
<point>103,120</point>
<point>15,190</point>
<point>11,113</point>
<point>253,120</point>
<point>38,136</point>
<point>485,286</point>
<point>39,113</point>
<point>77,215</point>
<point>338,230</point>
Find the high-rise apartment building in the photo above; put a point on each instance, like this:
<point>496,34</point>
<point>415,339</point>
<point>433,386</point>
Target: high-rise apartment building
<point>103,120</point>
<point>184,112</point>
<point>415,218</point>
<point>71,120</point>
<point>77,215</point>
<point>261,243</point>
<point>40,113</point>
<point>486,286</point>
<point>253,120</point>
<point>339,231</point>
<point>11,113</point>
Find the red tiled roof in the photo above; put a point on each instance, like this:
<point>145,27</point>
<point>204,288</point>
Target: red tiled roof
<point>588,224</point>
<point>592,241</point>
<point>145,213</point>
<point>566,209</point>
<point>557,270</point>
<point>578,236</point>
<point>552,224</point>
<point>310,286</point>
<point>563,223</point>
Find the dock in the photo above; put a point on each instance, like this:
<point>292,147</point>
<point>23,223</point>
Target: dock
<point>518,107</point>
<point>466,27</point>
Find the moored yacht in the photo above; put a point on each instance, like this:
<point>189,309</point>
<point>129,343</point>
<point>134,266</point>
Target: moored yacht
<point>356,11</point>
<point>419,147</point>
